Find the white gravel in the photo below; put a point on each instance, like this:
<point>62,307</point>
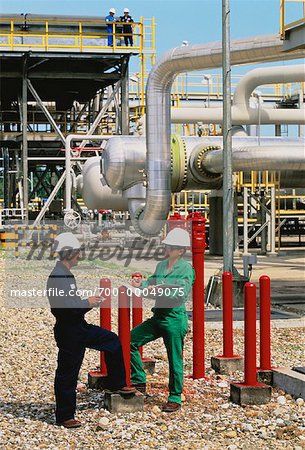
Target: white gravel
<point>206,421</point>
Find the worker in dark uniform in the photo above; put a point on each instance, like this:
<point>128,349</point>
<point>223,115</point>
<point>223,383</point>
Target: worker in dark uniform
<point>73,334</point>
<point>127,27</point>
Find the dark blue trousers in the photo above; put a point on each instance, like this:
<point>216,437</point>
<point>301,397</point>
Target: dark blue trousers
<point>72,341</point>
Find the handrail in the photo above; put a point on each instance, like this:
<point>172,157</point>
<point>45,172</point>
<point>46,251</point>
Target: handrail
<point>286,26</point>
<point>83,38</point>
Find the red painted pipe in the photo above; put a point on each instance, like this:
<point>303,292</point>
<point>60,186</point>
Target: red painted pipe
<point>105,315</point>
<point>265,323</point>
<point>124,328</point>
<point>198,248</point>
<point>250,334</point>
<point>227,307</point>
<point>137,314</point>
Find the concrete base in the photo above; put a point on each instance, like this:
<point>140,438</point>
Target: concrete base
<point>149,365</point>
<point>118,403</point>
<point>250,395</point>
<point>225,365</point>
<point>95,380</point>
<point>265,376</point>
<point>290,381</point>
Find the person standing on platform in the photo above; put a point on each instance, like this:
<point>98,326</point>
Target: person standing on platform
<point>127,27</point>
<point>110,20</point>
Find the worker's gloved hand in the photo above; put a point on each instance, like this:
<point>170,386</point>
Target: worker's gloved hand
<point>136,279</point>
<point>136,282</point>
<point>95,301</point>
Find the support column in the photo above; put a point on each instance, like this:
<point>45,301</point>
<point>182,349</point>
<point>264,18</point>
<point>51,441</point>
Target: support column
<point>301,106</point>
<point>278,130</point>
<point>272,222</point>
<point>6,182</point>
<point>24,140</point>
<point>246,251</point>
<point>264,234</point>
<point>125,103</point>
<point>216,223</point>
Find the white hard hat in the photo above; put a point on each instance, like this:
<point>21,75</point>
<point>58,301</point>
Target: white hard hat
<point>66,241</point>
<point>112,10</point>
<point>177,238</point>
<point>126,10</point>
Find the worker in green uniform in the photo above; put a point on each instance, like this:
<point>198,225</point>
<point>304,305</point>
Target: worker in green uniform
<point>170,285</point>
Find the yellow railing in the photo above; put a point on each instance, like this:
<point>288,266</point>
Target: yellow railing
<point>51,35</point>
<point>190,86</point>
<point>285,21</point>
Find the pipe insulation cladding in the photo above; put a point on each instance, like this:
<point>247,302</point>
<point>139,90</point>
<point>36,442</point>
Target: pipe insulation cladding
<point>158,122</point>
<point>196,164</point>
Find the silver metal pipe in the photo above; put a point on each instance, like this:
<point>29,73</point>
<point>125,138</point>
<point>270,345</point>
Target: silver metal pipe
<point>228,192</point>
<point>177,60</point>
<point>94,190</point>
<point>263,157</point>
<point>242,112</point>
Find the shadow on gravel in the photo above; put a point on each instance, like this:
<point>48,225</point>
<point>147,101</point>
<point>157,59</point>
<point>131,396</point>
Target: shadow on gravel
<point>32,411</point>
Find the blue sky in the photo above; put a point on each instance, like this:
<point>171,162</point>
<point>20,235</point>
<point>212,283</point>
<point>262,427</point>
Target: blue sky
<point>193,20</point>
<point>196,21</point>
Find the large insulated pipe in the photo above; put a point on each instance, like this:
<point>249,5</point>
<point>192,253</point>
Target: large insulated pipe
<point>151,218</point>
<point>242,113</point>
<point>257,158</point>
<point>95,192</point>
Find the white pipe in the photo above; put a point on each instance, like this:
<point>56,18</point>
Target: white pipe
<point>69,139</point>
<point>242,112</point>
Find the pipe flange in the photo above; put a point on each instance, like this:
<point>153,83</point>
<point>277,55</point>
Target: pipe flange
<point>197,167</point>
<point>178,164</point>
<point>199,162</point>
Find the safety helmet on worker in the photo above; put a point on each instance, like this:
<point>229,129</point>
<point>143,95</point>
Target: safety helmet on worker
<point>112,10</point>
<point>66,242</point>
<point>177,237</point>
<point>126,10</point>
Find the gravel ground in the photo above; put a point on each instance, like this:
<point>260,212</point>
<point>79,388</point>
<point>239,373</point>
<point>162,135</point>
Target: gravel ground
<point>207,419</point>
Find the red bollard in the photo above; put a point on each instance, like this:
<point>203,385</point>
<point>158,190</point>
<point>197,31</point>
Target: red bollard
<point>250,335</point>
<point>265,323</point>
<point>227,307</point>
<point>250,392</point>
<point>227,362</point>
<point>137,314</point>
<point>137,308</point>
<point>124,328</point>
<point>198,248</point>
<point>105,315</point>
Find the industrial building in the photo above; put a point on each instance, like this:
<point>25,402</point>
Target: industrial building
<point>61,81</point>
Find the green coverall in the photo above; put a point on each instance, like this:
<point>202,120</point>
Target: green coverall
<point>170,323</point>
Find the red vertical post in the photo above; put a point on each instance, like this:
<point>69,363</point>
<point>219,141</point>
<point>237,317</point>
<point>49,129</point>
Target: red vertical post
<point>124,328</point>
<point>265,323</point>
<point>250,334</point>
<point>227,307</point>
<point>198,248</point>
<point>137,314</point>
<point>105,315</point>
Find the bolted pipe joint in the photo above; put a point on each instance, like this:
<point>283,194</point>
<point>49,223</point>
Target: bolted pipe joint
<point>198,170</point>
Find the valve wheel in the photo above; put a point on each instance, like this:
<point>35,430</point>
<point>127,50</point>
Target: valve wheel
<point>72,219</point>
